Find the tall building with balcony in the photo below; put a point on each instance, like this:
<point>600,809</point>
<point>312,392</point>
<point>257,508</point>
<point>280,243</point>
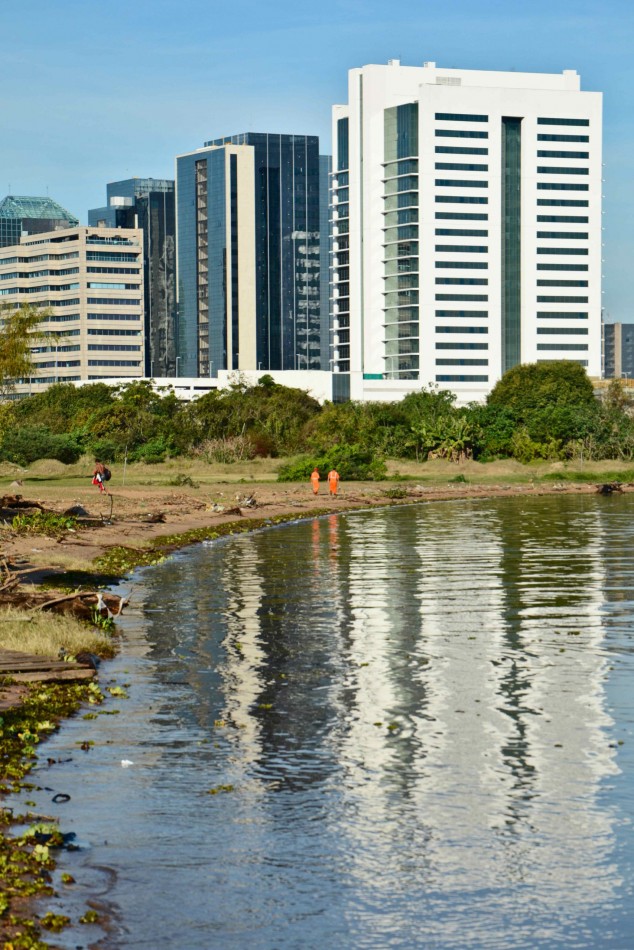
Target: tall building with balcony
<point>21,215</point>
<point>89,284</point>
<point>467,227</point>
<point>148,204</point>
<point>248,253</point>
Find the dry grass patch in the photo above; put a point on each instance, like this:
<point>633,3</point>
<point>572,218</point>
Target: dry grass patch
<point>43,634</point>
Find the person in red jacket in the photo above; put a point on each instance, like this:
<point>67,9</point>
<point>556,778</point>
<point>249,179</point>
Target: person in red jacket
<point>99,476</point>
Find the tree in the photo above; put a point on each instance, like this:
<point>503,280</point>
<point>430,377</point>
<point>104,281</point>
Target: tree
<point>531,386</point>
<point>19,329</point>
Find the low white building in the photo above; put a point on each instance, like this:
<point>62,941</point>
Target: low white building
<point>467,228</point>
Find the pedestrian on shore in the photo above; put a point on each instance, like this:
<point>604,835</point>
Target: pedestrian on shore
<point>314,479</point>
<point>333,481</point>
<point>100,476</point>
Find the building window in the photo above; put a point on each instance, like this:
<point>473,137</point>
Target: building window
<point>460,117</point>
<point>543,121</point>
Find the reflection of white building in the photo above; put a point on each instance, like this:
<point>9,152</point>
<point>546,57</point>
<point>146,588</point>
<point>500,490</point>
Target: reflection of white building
<point>504,757</point>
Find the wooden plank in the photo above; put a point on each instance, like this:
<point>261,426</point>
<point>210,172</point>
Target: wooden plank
<point>43,677</point>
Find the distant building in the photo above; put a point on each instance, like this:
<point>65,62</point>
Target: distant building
<point>248,252</point>
<point>467,231</point>
<point>325,259</point>
<point>618,350</point>
<point>148,203</point>
<point>91,282</point>
<point>26,215</point>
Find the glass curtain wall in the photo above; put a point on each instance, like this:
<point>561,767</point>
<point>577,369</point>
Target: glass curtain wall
<point>511,242</point>
<point>400,243</point>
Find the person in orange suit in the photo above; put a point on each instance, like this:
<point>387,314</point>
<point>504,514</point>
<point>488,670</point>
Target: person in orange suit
<point>333,481</point>
<point>314,478</point>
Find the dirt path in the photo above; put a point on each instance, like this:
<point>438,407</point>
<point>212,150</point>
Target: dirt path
<point>141,515</point>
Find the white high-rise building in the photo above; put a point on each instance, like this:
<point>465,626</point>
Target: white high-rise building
<point>467,228</point>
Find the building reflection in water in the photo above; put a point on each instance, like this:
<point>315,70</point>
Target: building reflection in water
<point>436,675</point>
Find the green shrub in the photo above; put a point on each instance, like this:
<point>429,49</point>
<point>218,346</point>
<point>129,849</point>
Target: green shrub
<point>354,463</point>
<point>43,522</point>
<point>30,443</point>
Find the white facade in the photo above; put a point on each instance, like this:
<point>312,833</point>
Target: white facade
<point>88,282</point>
<point>467,227</point>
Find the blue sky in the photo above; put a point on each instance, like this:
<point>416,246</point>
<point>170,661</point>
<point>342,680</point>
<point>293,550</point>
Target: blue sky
<point>92,92</point>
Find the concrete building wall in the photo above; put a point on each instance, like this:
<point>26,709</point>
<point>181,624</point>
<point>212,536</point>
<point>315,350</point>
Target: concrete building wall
<point>89,282</point>
<point>478,293</point>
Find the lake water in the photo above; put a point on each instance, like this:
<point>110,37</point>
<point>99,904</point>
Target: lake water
<point>418,723</point>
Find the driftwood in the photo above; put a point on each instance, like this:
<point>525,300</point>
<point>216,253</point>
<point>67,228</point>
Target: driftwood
<point>17,501</point>
<point>609,487</point>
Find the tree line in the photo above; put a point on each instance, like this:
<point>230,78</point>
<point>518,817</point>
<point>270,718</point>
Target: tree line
<point>536,411</point>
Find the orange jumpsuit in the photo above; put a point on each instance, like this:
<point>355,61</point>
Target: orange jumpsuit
<point>333,481</point>
<point>314,478</point>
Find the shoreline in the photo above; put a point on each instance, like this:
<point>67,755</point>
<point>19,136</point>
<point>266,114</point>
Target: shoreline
<point>149,525</point>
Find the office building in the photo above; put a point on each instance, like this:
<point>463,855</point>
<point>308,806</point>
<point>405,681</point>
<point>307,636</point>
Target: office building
<point>21,215</point>
<point>248,254</point>
<point>89,283</point>
<point>148,204</point>
<point>618,350</point>
<point>467,231</point>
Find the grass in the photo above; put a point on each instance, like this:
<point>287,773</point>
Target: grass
<point>43,634</point>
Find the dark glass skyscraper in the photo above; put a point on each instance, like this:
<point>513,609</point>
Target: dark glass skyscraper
<point>248,209</point>
<point>148,203</point>
<point>26,215</point>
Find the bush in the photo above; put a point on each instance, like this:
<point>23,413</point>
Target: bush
<point>30,443</point>
<point>225,451</point>
<point>354,463</point>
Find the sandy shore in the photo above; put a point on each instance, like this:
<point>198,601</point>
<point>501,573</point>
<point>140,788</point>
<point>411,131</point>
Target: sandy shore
<point>137,517</point>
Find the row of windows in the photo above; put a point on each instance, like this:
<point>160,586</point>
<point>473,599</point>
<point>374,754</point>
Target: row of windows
<point>562,283</point>
<point>560,186</point>
<point>72,348</point>
<point>564,235</point>
<point>462,378</point>
<point>462,216</point>
<point>463,248</point>
<point>460,150</point>
<point>563,218</point>
<point>109,331</point>
<point>476,314</point>
<point>570,267</point>
<point>49,364</point>
<point>563,138</point>
<point>584,122</point>
<point>462,346</point>
<point>452,183</point>
<point>464,265</point>
<point>461,362</point>
<point>541,299</point>
<point>114,346</point>
<point>21,275</point>
<point>548,170</point>
<point>461,232</point>
<point>462,330</point>
<point>563,316</point>
<point>461,199</point>
<point>461,167</point>
<point>570,331</point>
<point>111,256</point>
<point>462,280</point>
<point>562,250</point>
<point>114,363</point>
<point>113,270</point>
<point>37,259</point>
<point>113,301</point>
<point>551,153</point>
<point>462,134</point>
<point>461,117</point>
<point>462,297</point>
<point>563,202</point>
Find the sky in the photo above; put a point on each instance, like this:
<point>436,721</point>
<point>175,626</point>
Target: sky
<point>92,92</point>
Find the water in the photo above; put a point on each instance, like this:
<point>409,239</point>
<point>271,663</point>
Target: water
<point>422,718</point>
